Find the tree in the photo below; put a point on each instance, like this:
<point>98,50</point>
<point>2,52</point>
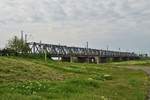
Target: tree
<point>19,45</point>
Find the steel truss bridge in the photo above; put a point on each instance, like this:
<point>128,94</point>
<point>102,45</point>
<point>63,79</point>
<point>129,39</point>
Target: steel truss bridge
<point>66,51</point>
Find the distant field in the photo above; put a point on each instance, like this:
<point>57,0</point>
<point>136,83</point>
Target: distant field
<point>136,62</point>
<point>34,79</point>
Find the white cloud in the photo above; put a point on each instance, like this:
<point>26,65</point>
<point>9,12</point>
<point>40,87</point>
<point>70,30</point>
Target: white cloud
<point>120,23</point>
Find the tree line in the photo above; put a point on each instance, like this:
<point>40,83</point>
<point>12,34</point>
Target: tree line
<point>15,46</point>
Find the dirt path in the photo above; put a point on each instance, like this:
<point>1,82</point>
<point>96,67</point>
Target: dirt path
<point>145,69</point>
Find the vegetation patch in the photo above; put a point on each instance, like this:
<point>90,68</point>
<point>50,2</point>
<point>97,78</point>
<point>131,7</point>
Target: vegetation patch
<point>35,79</point>
<point>132,63</point>
<point>103,77</point>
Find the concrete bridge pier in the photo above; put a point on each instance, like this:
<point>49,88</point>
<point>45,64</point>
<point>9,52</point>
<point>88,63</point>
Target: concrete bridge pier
<point>103,59</point>
<point>125,58</point>
<point>109,59</point>
<point>84,60</point>
<point>94,59</point>
<point>65,59</point>
<point>117,59</point>
<point>133,58</point>
<point>69,59</point>
<point>97,60</point>
<point>73,59</point>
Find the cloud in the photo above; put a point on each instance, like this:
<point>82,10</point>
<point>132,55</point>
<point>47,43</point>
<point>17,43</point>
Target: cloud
<point>71,10</point>
<point>120,23</point>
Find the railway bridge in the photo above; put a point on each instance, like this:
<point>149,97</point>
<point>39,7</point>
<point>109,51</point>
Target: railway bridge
<point>78,54</point>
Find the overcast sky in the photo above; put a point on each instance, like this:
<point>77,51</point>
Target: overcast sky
<point>121,24</point>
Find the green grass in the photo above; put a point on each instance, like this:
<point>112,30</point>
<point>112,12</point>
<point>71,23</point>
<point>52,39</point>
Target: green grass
<point>33,79</point>
<point>134,62</point>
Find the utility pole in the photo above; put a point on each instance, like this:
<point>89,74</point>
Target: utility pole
<point>59,58</point>
<point>119,49</point>
<point>87,47</point>
<point>22,41</point>
<point>26,38</point>
<point>21,34</point>
<point>107,47</point>
<point>45,54</point>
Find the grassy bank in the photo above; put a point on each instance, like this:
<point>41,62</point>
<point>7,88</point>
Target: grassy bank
<point>33,79</point>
